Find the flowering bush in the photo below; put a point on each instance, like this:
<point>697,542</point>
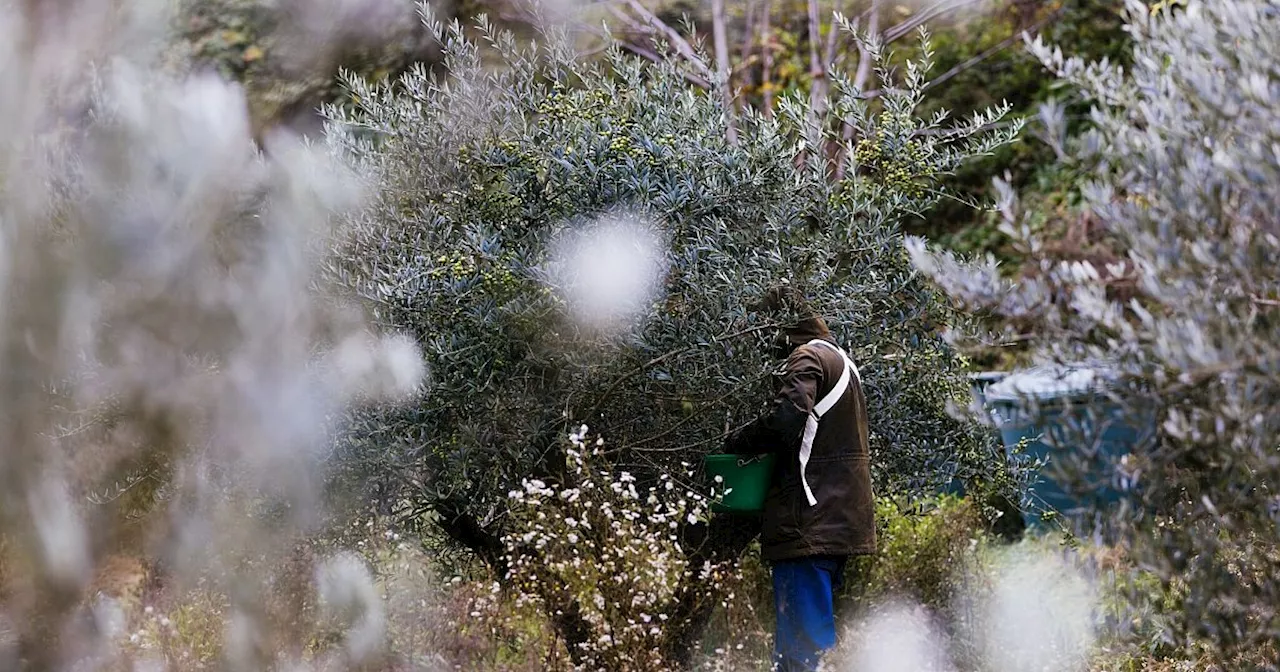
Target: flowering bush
<point>602,550</point>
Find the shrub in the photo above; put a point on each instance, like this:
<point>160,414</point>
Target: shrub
<point>437,619</point>
<point>597,553</point>
<point>921,547</point>
<point>1186,184</point>
<point>926,552</point>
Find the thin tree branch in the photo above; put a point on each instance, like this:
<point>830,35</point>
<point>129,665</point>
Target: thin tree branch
<point>1004,44</point>
<point>833,40</point>
<point>463,528</point>
<point>676,353</point>
<point>863,74</point>
<point>859,81</point>
<point>924,132</point>
<point>655,57</point>
<point>694,416</point>
<point>723,80</point>
<point>646,53</point>
<point>940,8</point>
<point>631,23</point>
<point>817,75</point>
<point>749,31</point>
<point>745,65</point>
<point>937,9</point>
<point>766,48</point>
<point>741,71</point>
<point>681,45</point>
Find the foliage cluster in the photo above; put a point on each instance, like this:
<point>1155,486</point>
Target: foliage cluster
<point>921,548</point>
<point>1090,28</point>
<point>1184,185</point>
<point>162,324</point>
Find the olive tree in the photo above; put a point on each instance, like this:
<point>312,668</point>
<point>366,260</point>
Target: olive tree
<point>1185,181</point>
<point>495,184</point>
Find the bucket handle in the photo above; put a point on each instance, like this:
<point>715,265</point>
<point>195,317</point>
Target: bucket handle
<point>744,461</point>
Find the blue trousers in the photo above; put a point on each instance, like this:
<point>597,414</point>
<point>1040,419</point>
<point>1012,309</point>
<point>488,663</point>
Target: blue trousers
<point>804,602</point>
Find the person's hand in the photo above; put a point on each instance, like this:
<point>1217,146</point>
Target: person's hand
<point>735,442</point>
<point>726,443</point>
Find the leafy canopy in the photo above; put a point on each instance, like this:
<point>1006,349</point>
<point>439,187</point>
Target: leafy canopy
<point>485,171</point>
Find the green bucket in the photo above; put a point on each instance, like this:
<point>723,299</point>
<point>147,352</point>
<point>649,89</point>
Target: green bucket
<point>745,480</point>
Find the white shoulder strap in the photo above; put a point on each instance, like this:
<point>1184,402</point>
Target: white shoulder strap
<point>820,409</point>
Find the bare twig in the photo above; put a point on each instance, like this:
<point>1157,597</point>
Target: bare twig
<point>655,57</point>
<point>940,8</point>
<point>818,77</point>
<point>723,80</point>
<point>863,74</point>
<point>1004,44</point>
<point>766,48</point>
<point>681,45</point>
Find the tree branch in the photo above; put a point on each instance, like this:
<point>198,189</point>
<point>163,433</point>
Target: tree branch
<point>676,353</point>
<point>817,75</point>
<point>833,40</point>
<point>864,56</point>
<point>723,83</point>
<point>766,49</point>
<point>644,52</point>
<point>655,57</point>
<point>693,416</point>
<point>1004,44</point>
<point>722,539</point>
<point>940,8</point>
<point>749,31</point>
<point>466,530</point>
<point>681,45</point>
<point>859,81</point>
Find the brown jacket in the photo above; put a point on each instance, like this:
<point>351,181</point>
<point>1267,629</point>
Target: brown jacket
<point>842,522</point>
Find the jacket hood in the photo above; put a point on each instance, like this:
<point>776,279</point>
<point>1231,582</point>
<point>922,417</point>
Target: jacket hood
<point>806,330</point>
<point>788,306</point>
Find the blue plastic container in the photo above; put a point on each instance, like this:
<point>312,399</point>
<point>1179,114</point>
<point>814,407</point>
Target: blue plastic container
<point>1060,411</point>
